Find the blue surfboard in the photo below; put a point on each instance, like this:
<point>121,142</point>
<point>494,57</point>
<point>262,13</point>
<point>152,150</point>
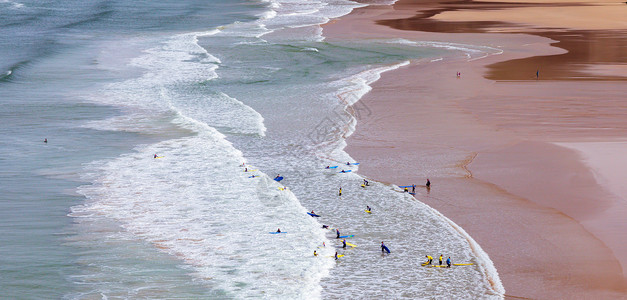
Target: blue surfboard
<point>404,186</point>
<point>279,178</point>
<point>333,167</point>
<point>352,164</point>
<point>345,171</point>
<point>346,236</point>
<point>313,215</point>
<point>386,248</point>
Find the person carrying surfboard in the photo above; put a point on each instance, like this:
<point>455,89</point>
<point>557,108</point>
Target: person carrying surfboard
<point>277,176</point>
<point>278,230</point>
<point>429,259</point>
<point>338,233</point>
<point>368,208</point>
<point>335,255</point>
<point>155,155</point>
<point>382,247</point>
<point>344,243</point>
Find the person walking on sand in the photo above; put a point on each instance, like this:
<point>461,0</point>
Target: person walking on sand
<point>428,184</point>
<point>448,262</point>
<point>413,188</point>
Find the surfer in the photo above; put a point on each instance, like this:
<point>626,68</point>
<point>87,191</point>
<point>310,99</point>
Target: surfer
<point>382,247</point>
<point>344,243</point>
<point>278,230</point>
<point>328,167</point>
<point>155,156</point>
<point>440,259</point>
<point>340,192</point>
<point>348,163</point>
<point>343,171</point>
<point>448,262</point>
<point>337,231</point>
<point>368,208</point>
<point>277,176</point>
<point>405,190</point>
<point>245,169</point>
<point>428,184</point>
<point>315,254</point>
<point>46,140</point>
<point>325,226</point>
<point>335,255</point>
<point>429,259</point>
<point>366,183</point>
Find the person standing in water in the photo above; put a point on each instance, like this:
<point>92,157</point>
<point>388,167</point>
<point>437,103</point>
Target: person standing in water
<point>429,259</point>
<point>448,262</point>
<point>340,193</point>
<point>344,243</point>
<point>335,255</point>
<point>46,140</point>
<point>315,254</point>
<point>368,208</point>
<point>441,259</point>
<point>382,247</point>
<point>278,230</point>
<point>337,231</point>
<point>428,184</point>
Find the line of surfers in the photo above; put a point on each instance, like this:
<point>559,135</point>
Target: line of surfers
<point>369,210</point>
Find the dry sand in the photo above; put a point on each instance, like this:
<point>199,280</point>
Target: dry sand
<point>500,155</point>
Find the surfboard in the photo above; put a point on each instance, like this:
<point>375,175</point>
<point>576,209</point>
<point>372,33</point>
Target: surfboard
<point>279,178</point>
<point>313,215</point>
<point>439,266</point>
<point>469,264</point>
<point>278,232</point>
<point>339,255</point>
<point>333,167</point>
<point>345,171</point>
<point>352,164</point>
<point>252,176</point>
<point>386,248</point>
<point>425,263</point>
<point>251,170</point>
<point>404,186</point>
<point>368,211</point>
<point>160,157</point>
<point>346,236</point>
<point>349,244</point>
<point>413,194</point>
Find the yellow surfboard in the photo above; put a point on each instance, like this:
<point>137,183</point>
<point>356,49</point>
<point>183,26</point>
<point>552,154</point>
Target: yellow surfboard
<point>468,264</point>
<point>368,211</point>
<point>349,244</point>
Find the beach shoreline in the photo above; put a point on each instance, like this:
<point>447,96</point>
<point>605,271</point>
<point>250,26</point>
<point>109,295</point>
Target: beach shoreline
<point>483,154</point>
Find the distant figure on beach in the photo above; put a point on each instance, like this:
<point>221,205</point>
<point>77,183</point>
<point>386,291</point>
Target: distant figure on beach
<point>278,230</point>
<point>340,193</point>
<point>245,169</point>
<point>46,140</point>
<point>413,188</point>
<point>405,190</point>
<point>344,243</point>
<point>429,259</point>
<point>337,231</point>
<point>315,254</point>
<point>538,72</point>
<point>441,259</point>
<point>243,165</point>
<point>428,184</point>
<point>448,262</point>
<point>348,163</point>
<point>459,74</point>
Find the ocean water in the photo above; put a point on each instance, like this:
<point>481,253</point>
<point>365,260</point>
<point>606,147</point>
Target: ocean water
<point>214,88</point>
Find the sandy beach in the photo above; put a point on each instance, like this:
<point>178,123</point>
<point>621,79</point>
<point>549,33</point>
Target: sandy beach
<point>529,167</point>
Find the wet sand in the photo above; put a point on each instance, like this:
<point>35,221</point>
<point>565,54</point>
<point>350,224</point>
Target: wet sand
<point>495,151</point>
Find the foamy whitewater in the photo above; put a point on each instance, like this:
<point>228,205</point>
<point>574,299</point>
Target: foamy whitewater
<point>228,101</point>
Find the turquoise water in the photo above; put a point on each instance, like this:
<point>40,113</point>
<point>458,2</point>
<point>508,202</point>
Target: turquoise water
<point>208,86</point>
